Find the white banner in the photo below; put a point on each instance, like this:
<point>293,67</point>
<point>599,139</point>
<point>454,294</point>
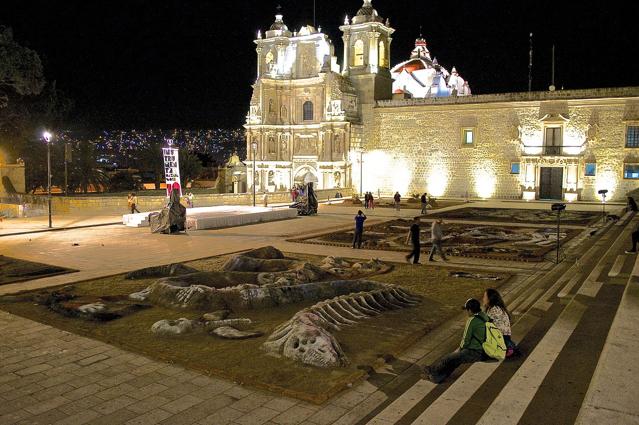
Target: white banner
<point>171,169</point>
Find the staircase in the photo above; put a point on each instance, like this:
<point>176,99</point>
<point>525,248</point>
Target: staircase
<point>136,220</point>
<point>561,320</point>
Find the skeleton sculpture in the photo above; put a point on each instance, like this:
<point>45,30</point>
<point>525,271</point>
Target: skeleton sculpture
<point>307,336</point>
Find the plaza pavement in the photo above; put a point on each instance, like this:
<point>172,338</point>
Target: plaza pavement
<point>51,376</point>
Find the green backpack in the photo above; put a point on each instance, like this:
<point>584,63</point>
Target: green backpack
<point>494,345</point>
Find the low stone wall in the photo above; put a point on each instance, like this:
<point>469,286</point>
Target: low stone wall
<point>107,205</point>
<point>10,210</point>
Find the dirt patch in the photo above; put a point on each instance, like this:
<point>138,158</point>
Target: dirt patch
<point>518,215</point>
<point>405,204</point>
<point>365,343</point>
<point>14,270</point>
<point>499,242</point>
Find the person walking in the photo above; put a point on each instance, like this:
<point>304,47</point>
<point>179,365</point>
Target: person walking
<point>413,237</point>
<point>360,218</point>
<point>132,201</point>
<point>424,201</point>
<point>437,234</point>
<point>496,310</point>
<point>635,239</point>
<point>398,199</point>
<point>470,348</point>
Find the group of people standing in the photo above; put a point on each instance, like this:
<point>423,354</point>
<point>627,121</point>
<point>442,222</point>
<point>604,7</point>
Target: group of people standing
<point>437,236</point>
<point>369,201</point>
<point>297,191</point>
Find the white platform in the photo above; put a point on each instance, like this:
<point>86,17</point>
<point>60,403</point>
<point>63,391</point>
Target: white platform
<point>217,217</point>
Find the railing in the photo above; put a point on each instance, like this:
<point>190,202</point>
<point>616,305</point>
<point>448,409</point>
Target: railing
<point>555,150</point>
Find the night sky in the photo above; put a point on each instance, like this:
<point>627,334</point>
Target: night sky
<point>190,63</point>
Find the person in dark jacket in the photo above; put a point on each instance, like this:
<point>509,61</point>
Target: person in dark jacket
<point>424,201</point>
<point>413,237</point>
<point>360,218</point>
<point>635,239</point>
<point>470,348</point>
<point>397,198</point>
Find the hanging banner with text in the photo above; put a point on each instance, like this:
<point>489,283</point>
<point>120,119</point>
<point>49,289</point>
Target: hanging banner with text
<point>171,169</point>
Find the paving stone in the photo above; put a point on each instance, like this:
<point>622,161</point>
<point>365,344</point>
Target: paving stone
<point>43,406</point>
<point>327,415</point>
<point>190,415</point>
<point>47,393</point>
<point>148,404</point>
<point>84,391</point>
<point>33,369</point>
<point>116,391</point>
<point>148,390</point>
<point>221,417</point>
<point>257,417</point>
<point>238,391</point>
<point>349,399</point>
<point>45,418</point>
<point>79,418</point>
<point>181,404</point>
<point>281,403</point>
<point>111,406</point>
<point>251,401</point>
<point>13,417</point>
<point>150,418</point>
<point>117,417</point>
<point>80,405</point>
<point>293,416</point>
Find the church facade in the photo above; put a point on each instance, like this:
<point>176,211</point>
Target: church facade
<point>416,128</point>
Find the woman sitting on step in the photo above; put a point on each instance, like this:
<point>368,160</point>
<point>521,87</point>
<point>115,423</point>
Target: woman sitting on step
<point>495,308</point>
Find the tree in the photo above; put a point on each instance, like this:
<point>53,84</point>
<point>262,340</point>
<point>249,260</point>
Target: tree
<point>21,72</point>
<point>84,171</point>
<point>150,159</point>
<point>190,166</point>
<point>123,181</point>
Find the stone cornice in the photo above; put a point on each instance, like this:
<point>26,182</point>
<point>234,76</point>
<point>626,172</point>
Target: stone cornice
<point>589,96</point>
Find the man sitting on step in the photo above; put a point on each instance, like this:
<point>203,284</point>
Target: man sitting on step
<point>470,349</point>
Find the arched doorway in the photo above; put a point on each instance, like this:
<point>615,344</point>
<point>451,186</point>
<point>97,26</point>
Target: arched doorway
<point>305,175</point>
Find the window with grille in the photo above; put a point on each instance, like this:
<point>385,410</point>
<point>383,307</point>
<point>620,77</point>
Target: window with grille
<point>359,53</point>
<point>631,171</point>
<point>553,141</point>
<point>307,109</point>
<point>632,136</point>
<point>468,136</point>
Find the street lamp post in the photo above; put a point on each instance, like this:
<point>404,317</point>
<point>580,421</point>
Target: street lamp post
<point>254,146</point>
<point>603,193</point>
<point>361,171</point>
<point>558,208</point>
<point>48,137</point>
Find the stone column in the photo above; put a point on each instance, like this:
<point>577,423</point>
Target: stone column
<point>347,41</point>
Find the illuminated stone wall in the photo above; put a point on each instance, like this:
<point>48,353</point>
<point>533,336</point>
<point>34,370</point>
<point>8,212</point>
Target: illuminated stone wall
<point>412,146</point>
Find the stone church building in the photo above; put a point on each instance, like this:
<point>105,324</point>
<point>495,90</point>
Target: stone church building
<point>415,127</point>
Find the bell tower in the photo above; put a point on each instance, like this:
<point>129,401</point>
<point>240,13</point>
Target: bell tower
<point>367,39</point>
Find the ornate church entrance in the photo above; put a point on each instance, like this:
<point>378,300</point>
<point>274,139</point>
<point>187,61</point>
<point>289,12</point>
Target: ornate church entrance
<point>304,176</point>
<point>551,183</point>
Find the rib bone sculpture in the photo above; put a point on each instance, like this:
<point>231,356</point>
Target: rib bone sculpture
<point>307,336</point>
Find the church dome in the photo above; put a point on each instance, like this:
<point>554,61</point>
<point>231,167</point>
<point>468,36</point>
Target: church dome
<point>367,13</point>
<point>278,28</point>
<point>279,24</point>
<point>422,76</point>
